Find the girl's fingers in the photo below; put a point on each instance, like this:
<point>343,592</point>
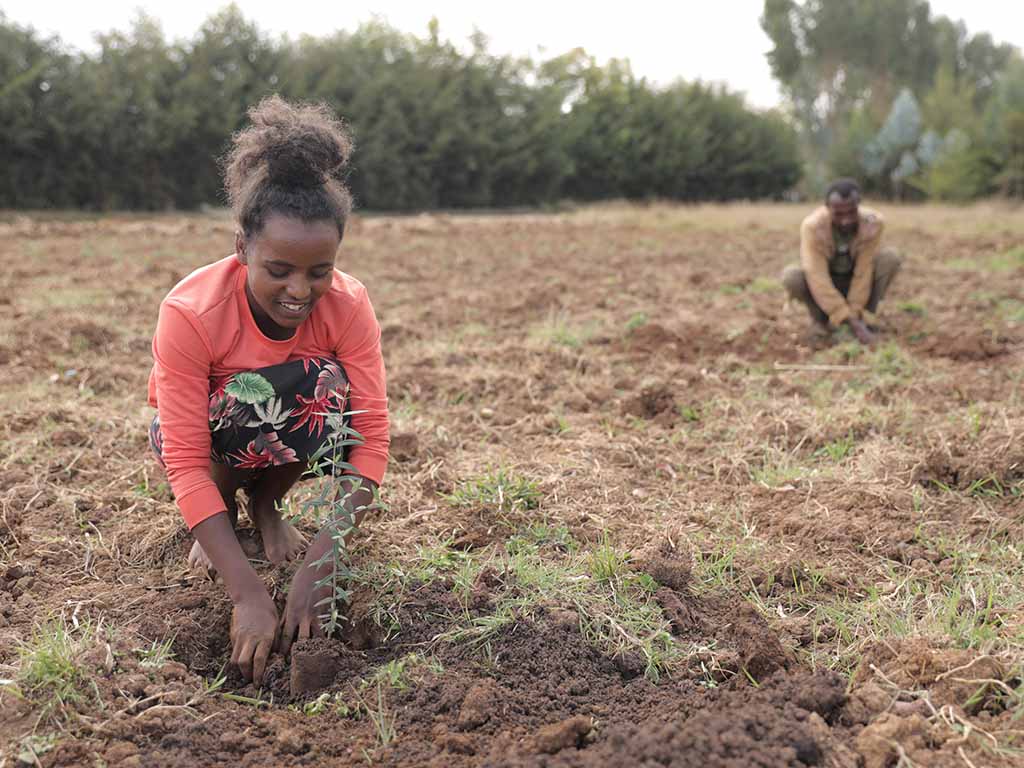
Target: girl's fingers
<point>287,633</point>
<point>304,629</point>
<point>245,660</point>
<point>260,659</point>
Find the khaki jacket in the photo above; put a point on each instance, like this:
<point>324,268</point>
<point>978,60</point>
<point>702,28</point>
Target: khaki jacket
<point>817,249</point>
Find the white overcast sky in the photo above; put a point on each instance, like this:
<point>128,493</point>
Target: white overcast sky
<point>719,40</point>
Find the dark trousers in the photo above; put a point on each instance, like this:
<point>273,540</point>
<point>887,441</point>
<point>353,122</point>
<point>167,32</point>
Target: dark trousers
<point>887,264</point>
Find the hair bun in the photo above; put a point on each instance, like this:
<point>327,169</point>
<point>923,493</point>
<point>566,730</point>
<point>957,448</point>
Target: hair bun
<point>299,146</point>
<point>291,159</point>
<point>300,164</point>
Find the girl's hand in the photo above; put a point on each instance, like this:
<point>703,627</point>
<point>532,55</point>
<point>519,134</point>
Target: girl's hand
<point>254,618</point>
<point>301,612</point>
<point>253,631</point>
<point>305,602</point>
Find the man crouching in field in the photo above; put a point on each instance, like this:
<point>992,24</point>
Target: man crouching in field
<point>842,272</point>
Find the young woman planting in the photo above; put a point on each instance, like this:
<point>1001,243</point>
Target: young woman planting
<point>256,356</point>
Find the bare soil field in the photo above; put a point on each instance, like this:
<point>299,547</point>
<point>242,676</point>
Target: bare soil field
<point>633,519</point>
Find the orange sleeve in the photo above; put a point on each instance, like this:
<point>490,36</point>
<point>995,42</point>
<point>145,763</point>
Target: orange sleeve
<point>182,353</point>
<point>360,355</point>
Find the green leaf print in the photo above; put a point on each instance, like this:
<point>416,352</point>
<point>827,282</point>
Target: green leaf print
<point>250,388</point>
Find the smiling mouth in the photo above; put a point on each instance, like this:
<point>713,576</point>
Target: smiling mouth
<point>293,309</point>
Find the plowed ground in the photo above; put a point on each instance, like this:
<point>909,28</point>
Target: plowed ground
<point>633,518</point>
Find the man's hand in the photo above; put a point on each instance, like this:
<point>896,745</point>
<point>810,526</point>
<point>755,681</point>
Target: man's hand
<point>253,630</point>
<point>860,330</point>
<point>301,612</point>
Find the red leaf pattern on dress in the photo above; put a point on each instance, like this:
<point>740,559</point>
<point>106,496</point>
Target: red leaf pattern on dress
<point>331,383</point>
<point>311,411</point>
<point>265,450</point>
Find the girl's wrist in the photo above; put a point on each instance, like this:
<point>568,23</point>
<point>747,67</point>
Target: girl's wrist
<point>249,587</point>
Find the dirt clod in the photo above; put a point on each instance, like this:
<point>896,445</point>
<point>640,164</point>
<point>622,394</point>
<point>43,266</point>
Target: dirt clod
<point>568,733</point>
<point>479,705</point>
<point>315,664</point>
<point>654,402</point>
<point>405,446</point>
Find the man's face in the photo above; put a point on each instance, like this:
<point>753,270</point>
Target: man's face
<point>845,217</point>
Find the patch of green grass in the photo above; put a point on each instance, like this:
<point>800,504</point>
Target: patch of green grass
<point>256,702</point>
<point>845,352</point>
<point>764,285</point>
<point>33,746</point>
<point>915,308</point>
<point>543,568</point>
<point>890,360</point>
<point>392,581</point>
<point>975,420</point>
<point>50,673</point>
<point>158,653</point>
<point>606,563</point>
<point>964,264</point>
<point>636,320</point>
<point>999,262</point>
<point>969,606</point>
<point>716,566</point>
<point>160,490</point>
<point>560,330</point>
<point>730,289</point>
<point>779,468</point>
<point>1008,260</point>
<point>500,490</point>
<point>838,449</point>
<point>1010,310</point>
<point>561,425</point>
<point>541,535</point>
<point>383,719</point>
<point>404,672</point>
<point>689,413</point>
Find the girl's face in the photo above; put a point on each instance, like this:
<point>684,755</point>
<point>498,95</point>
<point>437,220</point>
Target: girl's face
<point>291,265</point>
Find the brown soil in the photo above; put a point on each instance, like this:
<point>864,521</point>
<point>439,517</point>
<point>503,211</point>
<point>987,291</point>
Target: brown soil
<point>622,359</point>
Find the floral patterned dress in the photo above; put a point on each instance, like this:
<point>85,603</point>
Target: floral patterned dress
<point>270,416</point>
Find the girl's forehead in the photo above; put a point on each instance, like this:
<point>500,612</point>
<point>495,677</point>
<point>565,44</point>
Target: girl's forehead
<point>285,238</point>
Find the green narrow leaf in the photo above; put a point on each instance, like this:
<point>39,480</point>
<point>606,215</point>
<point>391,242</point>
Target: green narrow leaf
<point>251,388</point>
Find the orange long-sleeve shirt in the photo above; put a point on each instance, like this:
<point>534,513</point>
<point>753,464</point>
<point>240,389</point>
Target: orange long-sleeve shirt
<point>206,330</point>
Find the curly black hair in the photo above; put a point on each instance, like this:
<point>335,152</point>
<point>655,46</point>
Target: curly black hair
<point>290,161</point>
<point>846,189</point>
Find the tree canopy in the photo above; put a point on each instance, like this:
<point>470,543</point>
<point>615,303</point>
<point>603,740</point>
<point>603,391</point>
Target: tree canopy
<point>907,101</point>
<point>141,121</point>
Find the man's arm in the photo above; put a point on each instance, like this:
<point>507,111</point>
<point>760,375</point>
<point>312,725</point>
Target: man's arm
<point>814,262</point>
<point>864,269</point>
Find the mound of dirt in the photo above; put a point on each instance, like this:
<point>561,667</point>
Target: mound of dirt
<point>901,690</point>
<point>656,403</point>
<point>317,663</point>
<point>653,339</point>
<point>993,462</point>
<point>784,723</point>
<point>967,345</point>
<point>546,696</point>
